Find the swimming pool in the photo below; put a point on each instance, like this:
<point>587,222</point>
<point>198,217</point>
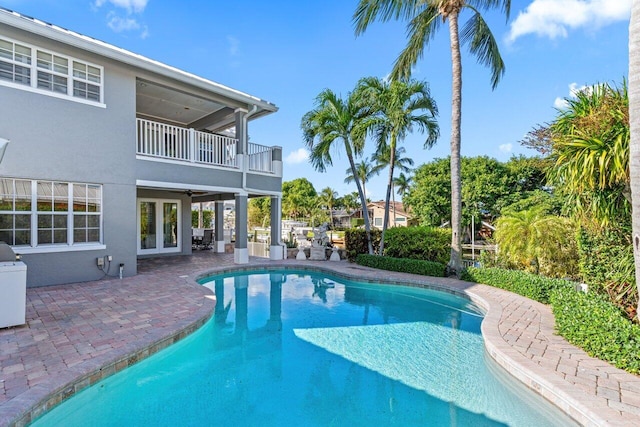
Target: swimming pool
<point>303,348</point>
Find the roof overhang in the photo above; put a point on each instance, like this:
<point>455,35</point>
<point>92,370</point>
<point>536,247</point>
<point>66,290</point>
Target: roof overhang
<point>95,46</point>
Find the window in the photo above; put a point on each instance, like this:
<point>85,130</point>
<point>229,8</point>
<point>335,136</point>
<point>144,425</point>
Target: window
<point>43,213</point>
<point>400,219</point>
<point>52,74</point>
<point>377,222</point>
<point>15,62</point>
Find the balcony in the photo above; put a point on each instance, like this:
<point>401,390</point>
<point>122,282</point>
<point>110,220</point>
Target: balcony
<point>162,141</point>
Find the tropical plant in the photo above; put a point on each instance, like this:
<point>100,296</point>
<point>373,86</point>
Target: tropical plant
<point>403,164</point>
<point>365,170</point>
<point>350,201</point>
<point>398,107</point>
<point>425,18</point>
<point>531,240</point>
<point>634,145</point>
<point>591,152</point>
<point>331,121</point>
<point>328,198</point>
<point>402,183</point>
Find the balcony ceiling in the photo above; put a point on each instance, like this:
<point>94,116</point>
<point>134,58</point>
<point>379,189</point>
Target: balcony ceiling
<point>157,102</point>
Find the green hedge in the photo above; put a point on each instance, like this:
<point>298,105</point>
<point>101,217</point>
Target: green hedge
<point>355,242</point>
<point>596,325</point>
<point>526,284</point>
<point>425,243</point>
<point>425,268</point>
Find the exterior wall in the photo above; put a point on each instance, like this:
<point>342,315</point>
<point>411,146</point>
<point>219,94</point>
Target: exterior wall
<point>377,212</point>
<point>179,173</point>
<point>63,140</point>
<point>264,182</point>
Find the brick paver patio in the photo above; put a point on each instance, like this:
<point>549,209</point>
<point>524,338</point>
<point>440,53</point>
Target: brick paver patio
<point>80,333</point>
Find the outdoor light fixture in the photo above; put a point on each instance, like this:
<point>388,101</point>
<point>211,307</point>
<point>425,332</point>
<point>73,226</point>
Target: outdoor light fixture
<point>3,147</point>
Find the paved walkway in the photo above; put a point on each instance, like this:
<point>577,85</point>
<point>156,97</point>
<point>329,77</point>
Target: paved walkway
<point>78,334</point>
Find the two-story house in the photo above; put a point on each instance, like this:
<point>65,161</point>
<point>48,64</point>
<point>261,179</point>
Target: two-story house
<point>108,149</point>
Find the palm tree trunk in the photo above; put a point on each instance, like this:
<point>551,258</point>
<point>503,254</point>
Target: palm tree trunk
<point>392,160</point>
<point>456,113</point>
<point>363,202</point>
<point>634,144</point>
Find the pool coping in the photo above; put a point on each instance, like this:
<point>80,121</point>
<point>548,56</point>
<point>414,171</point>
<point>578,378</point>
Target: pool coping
<point>585,409</point>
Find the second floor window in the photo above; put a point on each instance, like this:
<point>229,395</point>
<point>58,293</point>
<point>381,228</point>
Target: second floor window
<point>47,71</point>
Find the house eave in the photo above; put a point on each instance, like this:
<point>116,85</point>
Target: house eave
<point>98,47</point>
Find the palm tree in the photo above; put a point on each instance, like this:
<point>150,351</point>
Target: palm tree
<point>425,18</point>
<point>634,145</point>
<point>382,159</point>
<point>327,197</point>
<point>398,107</point>
<point>334,120</point>
<point>365,170</point>
<point>533,240</point>
<point>403,183</point>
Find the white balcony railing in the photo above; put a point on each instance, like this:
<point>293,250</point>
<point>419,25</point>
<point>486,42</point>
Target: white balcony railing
<point>160,140</point>
<point>260,158</point>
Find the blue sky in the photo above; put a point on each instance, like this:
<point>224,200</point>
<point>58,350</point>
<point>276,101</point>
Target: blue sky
<point>287,52</point>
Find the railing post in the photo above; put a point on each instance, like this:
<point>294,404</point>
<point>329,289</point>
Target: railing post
<point>192,145</point>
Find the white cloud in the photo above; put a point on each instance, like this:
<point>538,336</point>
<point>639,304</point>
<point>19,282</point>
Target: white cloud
<point>234,45</point>
<point>554,18</point>
<point>561,103</point>
<point>505,148</point>
<point>300,155</point>
<point>118,24</point>
<point>132,6</point>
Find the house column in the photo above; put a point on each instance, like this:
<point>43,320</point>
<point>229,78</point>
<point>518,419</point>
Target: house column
<point>240,252</point>
<point>276,251</point>
<point>241,136</point>
<point>219,227</point>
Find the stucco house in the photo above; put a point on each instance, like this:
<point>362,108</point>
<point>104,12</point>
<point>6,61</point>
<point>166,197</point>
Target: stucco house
<point>398,216</point>
<point>108,149</point>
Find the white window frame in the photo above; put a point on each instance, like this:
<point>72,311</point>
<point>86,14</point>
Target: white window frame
<point>71,78</point>
<point>34,246</point>
<point>377,221</point>
<point>159,249</point>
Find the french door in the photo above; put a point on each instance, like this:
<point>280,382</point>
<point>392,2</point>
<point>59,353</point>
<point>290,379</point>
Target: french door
<point>159,226</point>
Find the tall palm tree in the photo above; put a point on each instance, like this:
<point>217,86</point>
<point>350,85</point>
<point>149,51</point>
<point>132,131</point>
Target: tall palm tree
<point>382,159</point>
<point>424,19</point>
<point>331,121</point>
<point>634,122</point>
<point>398,106</point>
<point>365,170</point>
<point>327,197</point>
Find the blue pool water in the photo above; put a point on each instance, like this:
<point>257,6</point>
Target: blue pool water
<point>304,349</point>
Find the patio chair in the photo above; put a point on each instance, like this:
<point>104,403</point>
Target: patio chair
<point>207,239</point>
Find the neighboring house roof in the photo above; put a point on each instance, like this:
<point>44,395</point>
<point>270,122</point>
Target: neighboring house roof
<point>399,207</point>
<point>71,38</point>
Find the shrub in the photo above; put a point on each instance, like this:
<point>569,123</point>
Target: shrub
<point>424,243</point>
<point>526,284</point>
<point>425,268</point>
<point>596,325</point>
<point>355,242</point>
<point>606,264</point>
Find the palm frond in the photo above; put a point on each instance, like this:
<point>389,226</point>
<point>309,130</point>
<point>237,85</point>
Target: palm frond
<point>483,45</point>
<point>420,31</point>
